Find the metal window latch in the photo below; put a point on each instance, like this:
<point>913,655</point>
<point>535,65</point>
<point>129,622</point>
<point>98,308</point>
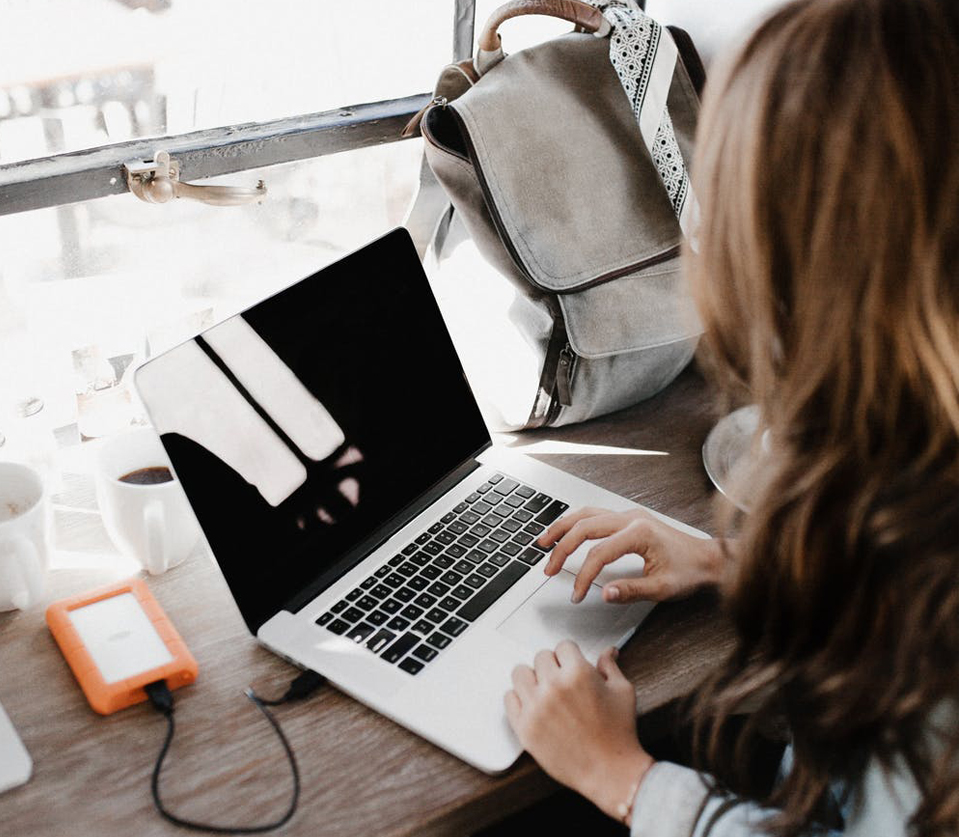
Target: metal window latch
<point>159,182</point>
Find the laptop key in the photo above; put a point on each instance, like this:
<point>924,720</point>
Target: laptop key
<point>500,536</point>
<point>339,606</point>
<point>436,527</point>
<point>486,486</point>
<point>407,569</point>
<point>421,559</point>
<point>469,518</point>
<point>477,606</point>
<point>496,478</point>
<point>433,548</point>
<point>445,538</point>
<point>437,615</point>
<point>337,626</point>
<point>404,594</point>
<point>384,570</point>
<point>463,567</point>
<point>368,583</point>
<point>396,560</point>
<point>482,507</point>
<point>425,653</point>
<point>468,540</point>
<point>492,520</point>
<point>551,512</point>
<point>455,551</point>
<point>437,588</point>
<point>409,549</point>
<point>451,578</point>
<point>454,626</point>
<point>377,617</point>
<point>514,501</point>
<point>530,556</point>
<point>512,549</point>
<point>459,508</point>
<point>449,603</point>
<point>457,527</point>
<point>438,640</point>
<point>461,591</point>
<point>500,559</point>
<point>425,600</point>
<point>326,617</point>
<point>522,538</point>
<point>475,581</point>
<point>380,640</point>
<point>418,583</point>
<point>475,556</point>
<point>533,528</point>
<point>472,498</point>
<point>366,602</point>
<point>421,539</point>
<point>381,591</point>
<point>444,562</point>
<point>538,503</point>
<point>525,492</point>
<point>423,627</point>
<point>432,573</point>
<point>522,515</point>
<point>507,486</point>
<point>411,666</point>
<point>393,580</point>
<point>351,614</point>
<point>395,652</point>
<point>449,517</point>
<point>487,570</point>
<point>353,595</point>
<point>512,525</point>
<point>488,545</point>
<point>411,612</point>
<point>391,606</point>
<point>360,632</point>
<point>398,623</point>
<point>481,530</point>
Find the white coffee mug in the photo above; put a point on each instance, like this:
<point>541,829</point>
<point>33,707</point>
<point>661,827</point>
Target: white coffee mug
<point>152,523</point>
<point>24,535</point>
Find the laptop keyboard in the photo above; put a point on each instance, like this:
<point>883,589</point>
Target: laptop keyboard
<point>415,605</point>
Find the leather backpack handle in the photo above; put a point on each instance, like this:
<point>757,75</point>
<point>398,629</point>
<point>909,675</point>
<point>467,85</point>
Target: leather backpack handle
<point>585,17</point>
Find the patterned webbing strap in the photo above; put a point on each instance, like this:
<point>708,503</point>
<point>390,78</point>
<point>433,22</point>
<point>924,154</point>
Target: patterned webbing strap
<point>644,56</point>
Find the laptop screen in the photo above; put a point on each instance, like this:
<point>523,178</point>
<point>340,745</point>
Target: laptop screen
<point>302,425</point>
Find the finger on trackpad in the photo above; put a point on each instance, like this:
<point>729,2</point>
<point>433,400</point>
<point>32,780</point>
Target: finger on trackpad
<point>548,617</point>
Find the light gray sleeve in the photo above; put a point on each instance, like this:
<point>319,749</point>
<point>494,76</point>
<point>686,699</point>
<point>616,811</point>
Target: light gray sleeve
<point>673,801</point>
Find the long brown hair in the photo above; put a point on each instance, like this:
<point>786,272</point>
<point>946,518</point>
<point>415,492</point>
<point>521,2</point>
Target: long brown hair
<point>827,276</point>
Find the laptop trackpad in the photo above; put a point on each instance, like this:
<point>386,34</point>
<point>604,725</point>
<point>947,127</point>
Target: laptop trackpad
<point>548,616</point>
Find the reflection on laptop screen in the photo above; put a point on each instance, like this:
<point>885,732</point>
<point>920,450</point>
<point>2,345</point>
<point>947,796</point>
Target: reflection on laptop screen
<point>302,425</point>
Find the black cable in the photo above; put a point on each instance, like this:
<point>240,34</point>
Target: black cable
<point>162,701</point>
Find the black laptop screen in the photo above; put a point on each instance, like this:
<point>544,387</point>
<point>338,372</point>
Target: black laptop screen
<point>300,427</point>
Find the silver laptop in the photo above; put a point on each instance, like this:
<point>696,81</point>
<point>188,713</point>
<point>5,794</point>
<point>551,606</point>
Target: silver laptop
<point>366,525</point>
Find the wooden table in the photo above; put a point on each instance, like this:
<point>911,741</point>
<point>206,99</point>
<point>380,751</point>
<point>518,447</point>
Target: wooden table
<point>362,774</point>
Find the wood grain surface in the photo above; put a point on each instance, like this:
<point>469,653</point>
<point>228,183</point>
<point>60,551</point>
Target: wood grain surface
<point>362,774</point>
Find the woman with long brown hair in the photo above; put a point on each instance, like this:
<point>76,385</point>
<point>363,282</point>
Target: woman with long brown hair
<point>827,277</point>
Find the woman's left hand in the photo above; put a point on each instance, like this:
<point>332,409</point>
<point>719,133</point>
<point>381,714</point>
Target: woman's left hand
<point>579,723</point>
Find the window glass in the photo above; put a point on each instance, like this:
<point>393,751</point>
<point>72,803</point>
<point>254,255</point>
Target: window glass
<point>114,70</point>
<point>88,290</point>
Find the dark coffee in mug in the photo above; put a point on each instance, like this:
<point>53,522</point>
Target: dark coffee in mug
<point>148,476</point>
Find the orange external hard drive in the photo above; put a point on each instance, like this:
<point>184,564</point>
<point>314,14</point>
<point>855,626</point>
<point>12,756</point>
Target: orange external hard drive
<point>117,639</point>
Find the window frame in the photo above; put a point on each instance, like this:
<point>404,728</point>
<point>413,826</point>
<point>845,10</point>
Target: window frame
<point>98,172</point>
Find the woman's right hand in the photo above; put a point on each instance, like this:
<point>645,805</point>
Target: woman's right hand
<point>677,564</point>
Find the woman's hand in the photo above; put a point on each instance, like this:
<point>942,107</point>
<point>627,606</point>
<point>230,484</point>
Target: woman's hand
<point>579,723</point>
<point>677,564</point>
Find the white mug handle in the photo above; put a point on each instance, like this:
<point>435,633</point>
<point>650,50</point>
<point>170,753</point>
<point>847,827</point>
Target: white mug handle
<point>25,563</point>
<point>157,561</point>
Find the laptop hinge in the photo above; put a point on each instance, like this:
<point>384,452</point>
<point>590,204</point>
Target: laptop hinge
<point>384,533</point>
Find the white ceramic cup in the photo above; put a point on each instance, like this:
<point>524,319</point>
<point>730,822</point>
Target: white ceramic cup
<point>24,535</point>
<point>151,523</point>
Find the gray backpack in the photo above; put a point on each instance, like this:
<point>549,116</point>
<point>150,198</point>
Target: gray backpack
<point>542,159</point>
